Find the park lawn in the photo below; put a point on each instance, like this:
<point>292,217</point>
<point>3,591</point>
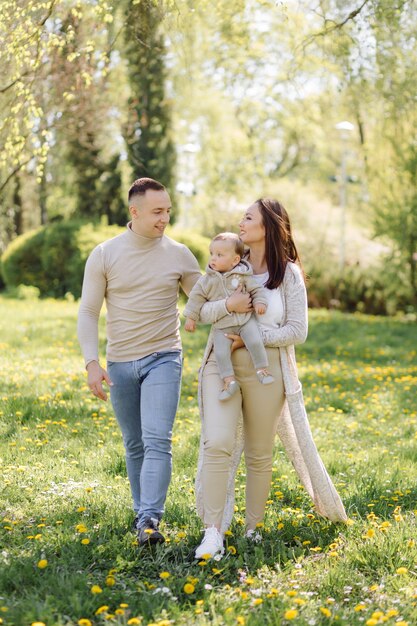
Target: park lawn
<point>68,555</point>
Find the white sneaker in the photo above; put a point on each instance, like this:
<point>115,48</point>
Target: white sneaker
<point>211,545</point>
<point>254,536</point>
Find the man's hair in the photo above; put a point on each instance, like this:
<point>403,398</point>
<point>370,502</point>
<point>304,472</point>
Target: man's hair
<point>234,239</point>
<point>141,186</point>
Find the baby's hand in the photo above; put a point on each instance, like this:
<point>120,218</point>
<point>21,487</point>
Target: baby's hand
<point>190,325</point>
<point>260,308</point>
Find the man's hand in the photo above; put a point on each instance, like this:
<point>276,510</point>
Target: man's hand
<point>260,308</point>
<point>237,342</point>
<point>96,375</point>
<point>190,325</point>
<point>239,302</point>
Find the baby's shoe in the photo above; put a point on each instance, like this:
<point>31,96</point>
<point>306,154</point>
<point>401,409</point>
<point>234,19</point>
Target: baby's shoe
<point>229,390</point>
<point>265,377</point>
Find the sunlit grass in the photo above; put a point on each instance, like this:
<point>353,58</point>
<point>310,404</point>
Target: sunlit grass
<point>68,556</point>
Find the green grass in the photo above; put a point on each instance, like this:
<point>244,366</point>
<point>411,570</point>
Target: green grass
<point>64,481</point>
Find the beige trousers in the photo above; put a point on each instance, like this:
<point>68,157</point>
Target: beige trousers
<point>261,406</point>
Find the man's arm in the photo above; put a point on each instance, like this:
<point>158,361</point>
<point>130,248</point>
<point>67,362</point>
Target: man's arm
<point>196,299</point>
<point>191,271</point>
<point>94,289</point>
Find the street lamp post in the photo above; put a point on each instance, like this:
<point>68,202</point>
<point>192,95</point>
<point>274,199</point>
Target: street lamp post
<point>344,128</point>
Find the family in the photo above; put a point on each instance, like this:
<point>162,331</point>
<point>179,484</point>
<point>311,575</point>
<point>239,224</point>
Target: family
<point>253,294</point>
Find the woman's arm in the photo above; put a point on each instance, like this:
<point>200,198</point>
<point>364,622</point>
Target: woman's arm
<point>238,302</point>
<point>295,329</point>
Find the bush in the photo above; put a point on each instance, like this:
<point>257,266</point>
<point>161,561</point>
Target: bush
<point>52,258</point>
<point>377,290</point>
<point>22,292</point>
<point>198,244</point>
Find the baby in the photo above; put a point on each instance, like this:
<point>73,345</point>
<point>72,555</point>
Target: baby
<point>224,274</point>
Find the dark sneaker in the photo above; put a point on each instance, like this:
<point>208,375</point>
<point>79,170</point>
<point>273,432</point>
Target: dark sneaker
<point>135,524</point>
<point>148,533</point>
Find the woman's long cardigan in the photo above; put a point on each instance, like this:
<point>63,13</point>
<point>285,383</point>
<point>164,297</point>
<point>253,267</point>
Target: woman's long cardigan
<point>293,427</point>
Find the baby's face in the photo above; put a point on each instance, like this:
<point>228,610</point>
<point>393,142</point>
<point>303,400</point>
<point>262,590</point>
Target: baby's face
<point>223,256</point>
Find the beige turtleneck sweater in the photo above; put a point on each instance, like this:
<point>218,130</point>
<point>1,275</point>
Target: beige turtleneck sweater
<point>139,278</point>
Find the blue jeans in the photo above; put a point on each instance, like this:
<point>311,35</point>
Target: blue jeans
<point>145,395</point>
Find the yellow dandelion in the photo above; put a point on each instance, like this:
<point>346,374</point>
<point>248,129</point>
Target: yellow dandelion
<point>81,509</point>
<point>232,549</point>
<point>257,601</point>
<point>102,609</point>
<point>291,614</point>
<point>81,528</point>
<point>369,533</point>
<point>133,621</point>
<point>110,581</point>
<point>371,622</point>
<point>326,612</point>
<point>164,575</point>
<point>38,624</point>
<point>123,605</point>
<point>119,612</point>
<point>96,589</point>
<point>85,622</point>
<point>391,613</point>
<point>42,564</point>
<point>402,570</point>
<point>85,541</point>
<point>189,588</point>
<point>359,607</point>
<point>401,623</point>
<point>240,620</point>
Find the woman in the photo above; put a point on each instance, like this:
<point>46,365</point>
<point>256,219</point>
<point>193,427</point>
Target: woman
<point>249,420</point>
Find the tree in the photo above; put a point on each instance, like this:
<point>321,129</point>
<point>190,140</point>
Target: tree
<point>148,132</point>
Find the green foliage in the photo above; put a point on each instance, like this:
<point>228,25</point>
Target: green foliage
<point>198,244</point>
<point>52,258</point>
<point>148,129</point>
<point>377,290</point>
<point>64,483</point>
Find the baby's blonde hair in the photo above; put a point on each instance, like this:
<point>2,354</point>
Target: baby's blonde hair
<point>239,246</point>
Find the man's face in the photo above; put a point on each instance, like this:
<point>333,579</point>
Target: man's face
<point>150,213</point>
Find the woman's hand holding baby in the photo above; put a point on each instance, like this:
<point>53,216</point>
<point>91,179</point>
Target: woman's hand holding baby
<point>239,302</point>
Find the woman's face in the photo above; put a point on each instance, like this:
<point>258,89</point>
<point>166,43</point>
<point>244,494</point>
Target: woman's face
<point>251,226</point>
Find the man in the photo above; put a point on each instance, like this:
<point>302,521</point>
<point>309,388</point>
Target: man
<point>138,273</point>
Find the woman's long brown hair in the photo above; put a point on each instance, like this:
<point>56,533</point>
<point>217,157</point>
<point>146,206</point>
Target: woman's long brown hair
<point>279,244</point>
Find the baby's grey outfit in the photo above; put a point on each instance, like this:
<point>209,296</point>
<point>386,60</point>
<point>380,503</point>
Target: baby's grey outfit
<point>217,286</point>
